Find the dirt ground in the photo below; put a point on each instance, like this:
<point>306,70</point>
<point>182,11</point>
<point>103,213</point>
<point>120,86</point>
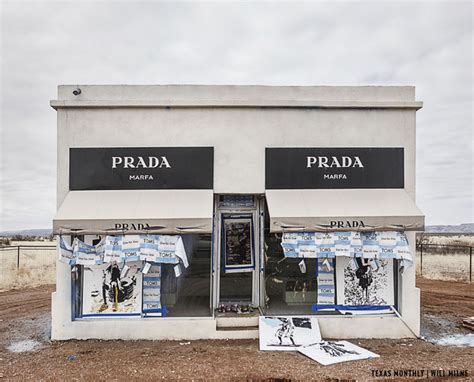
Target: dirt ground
<point>25,323</point>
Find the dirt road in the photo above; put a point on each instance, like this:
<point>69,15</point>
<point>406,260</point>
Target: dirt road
<point>24,316</point>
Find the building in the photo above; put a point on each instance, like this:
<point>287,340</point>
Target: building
<point>236,178</point>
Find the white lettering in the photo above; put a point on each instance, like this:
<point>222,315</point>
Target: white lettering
<point>357,162</point>
<point>329,162</point>
<point>116,161</point>
<point>165,163</point>
<point>141,162</point>
<point>153,162</point>
<point>323,162</point>
<point>346,162</point>
<point>335,162</point>
<point>310,161</point>
<point>334,176</point>
<point>128,162</point>
<point>140,177</point>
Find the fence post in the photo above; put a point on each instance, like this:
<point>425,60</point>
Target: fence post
<point>470,264</point>
<point>18,258</point>
<point>421,259</point>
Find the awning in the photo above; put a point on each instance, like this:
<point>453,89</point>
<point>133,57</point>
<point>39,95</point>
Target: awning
<point>343,210</point>
<point>135,211</point>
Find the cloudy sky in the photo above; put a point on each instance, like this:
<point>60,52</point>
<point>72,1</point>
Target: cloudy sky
<point>425,44</point>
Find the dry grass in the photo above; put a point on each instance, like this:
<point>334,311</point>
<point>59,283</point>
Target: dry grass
<point>445,263</point>
<point>36,267</point>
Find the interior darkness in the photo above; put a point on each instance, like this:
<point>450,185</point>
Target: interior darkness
<point>287,289</point>
<point>189,294</point>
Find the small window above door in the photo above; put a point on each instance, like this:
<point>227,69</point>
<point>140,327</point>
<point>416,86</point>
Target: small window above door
<point>237,201</point>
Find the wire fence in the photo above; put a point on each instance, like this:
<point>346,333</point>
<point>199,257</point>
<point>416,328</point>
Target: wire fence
<point>31,265</point>
<point>444,262</point>
<point>27,265</point>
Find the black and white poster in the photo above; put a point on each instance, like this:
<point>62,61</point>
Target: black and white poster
<point>112,289</point>
<point>331,352</point>
<point>238,245</point>
<point>287,333</point>
<point>364,281</point>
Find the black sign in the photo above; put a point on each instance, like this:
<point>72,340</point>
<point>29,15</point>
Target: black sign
<point>119,168</point>
<point>316,168</point>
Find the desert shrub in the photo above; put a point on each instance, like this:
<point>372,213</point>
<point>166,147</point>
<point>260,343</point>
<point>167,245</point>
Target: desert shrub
<point>5,241</point>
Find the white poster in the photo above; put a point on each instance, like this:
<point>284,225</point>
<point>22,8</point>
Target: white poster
<point>286,333</point>
<point>131,247</point>
<point>166,249</point>
<point>86,254</point>
<point>306,242</point>
<point>364,281</point>
<point>100,249</point>
<point>152,292</point>
<point>181,252</point>
<point>66,254</point>
<point>109,291</point>
<point>326,284</point>
<point>330,352</point>
<point>113,248</point>
<point>148,247</point>
<point>289,244</point>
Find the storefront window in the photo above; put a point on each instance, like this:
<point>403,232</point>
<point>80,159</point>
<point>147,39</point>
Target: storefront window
<point>328,285</point>
<point>138,288</point>
<point>189,295</point>
<point>289,287</point>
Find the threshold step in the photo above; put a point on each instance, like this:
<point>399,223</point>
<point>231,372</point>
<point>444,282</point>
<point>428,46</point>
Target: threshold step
<point>237,328</point>
<point>232,321</point>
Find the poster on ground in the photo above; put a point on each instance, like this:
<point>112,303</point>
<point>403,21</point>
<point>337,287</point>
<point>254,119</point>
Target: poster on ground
<point>331,352</point>
<point>287,333</point>
<point>364,281</point>
<point>112,289</point>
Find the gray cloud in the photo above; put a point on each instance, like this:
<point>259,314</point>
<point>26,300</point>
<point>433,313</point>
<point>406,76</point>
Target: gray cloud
<point>426,44</point>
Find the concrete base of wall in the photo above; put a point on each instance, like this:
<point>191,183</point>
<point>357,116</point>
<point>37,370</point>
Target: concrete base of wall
<point>133,328</point>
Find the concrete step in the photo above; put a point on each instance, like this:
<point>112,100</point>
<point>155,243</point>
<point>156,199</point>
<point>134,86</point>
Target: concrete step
<point>226,320</point>
<point>237,328</point>
<point>237,332</point>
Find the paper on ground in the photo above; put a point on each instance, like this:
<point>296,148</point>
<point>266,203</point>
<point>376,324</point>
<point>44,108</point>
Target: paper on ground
<point>330,352</point>
<point>365,312</point>
<point>287,333</point>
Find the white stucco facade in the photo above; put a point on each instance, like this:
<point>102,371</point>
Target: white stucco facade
<point>239,122</point>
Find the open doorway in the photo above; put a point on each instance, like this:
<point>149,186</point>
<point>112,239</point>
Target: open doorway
<point>238,251</point>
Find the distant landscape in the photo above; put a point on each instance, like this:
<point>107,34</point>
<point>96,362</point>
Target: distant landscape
<point>28,232</point>
<point>461,228</point>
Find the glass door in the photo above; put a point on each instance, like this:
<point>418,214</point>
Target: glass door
<point>237,251</point>
<point>237,258</point>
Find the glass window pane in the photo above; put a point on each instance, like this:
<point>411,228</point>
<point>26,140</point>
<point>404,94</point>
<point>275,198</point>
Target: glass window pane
<point>189,295</point>
<point>287,289</point>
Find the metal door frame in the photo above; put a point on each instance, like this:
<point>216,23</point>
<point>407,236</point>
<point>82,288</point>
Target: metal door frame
<point>257,215</point>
